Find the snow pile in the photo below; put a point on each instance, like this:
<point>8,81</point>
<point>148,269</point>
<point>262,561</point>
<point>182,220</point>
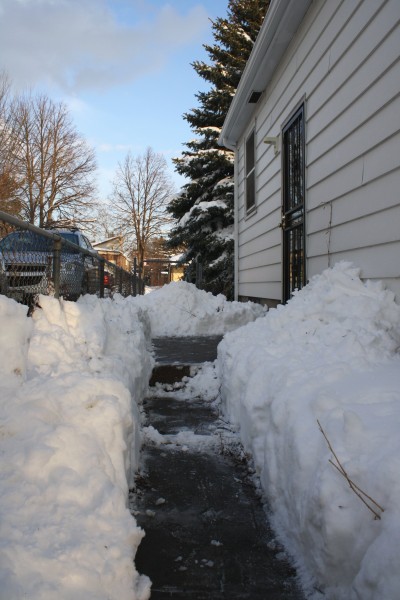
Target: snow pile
<point>203,383</point>
<point>14,334</point>
<point>70,378</point>
<point>181,309</point>
<point>331,354</point>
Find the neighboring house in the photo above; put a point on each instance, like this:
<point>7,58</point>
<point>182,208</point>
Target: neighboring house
<point>159,271</point>
<point>112,250</point>
<point>177,268</point>
<point>177,272</point>
<point>315,125</point>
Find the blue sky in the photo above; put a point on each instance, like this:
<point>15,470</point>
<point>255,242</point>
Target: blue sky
<point>122,67</point>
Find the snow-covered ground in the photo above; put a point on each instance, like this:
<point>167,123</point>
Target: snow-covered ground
<point>71,379</point>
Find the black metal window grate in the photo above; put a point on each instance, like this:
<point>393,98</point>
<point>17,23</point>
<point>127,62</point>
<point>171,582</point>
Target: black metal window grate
<point>293,140</point>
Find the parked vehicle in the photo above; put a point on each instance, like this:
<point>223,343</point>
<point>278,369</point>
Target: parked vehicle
<point>27,259</point>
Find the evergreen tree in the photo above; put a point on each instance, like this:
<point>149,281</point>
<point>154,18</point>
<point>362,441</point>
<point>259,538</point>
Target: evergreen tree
<point>203,210</point>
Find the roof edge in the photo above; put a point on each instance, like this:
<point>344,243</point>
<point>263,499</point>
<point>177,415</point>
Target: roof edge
<point>280,24</point>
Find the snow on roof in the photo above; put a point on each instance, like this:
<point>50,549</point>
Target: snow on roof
<point>115,237</point>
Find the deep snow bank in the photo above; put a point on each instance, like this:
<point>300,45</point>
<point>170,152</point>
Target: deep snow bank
<point>181,309</point>
<point>69,381</point>
<point>332,353</point>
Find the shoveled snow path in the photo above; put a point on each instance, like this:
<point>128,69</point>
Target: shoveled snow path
<point>206,529</point>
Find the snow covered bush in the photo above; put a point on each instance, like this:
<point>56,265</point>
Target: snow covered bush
<point>332,354</point>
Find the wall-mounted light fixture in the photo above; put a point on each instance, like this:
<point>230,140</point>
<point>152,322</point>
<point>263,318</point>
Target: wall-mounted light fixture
<point>273,141</point>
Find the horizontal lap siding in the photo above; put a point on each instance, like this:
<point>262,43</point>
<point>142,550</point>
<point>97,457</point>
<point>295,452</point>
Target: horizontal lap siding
<point>369,260</point>
<point>353,158</point>
<point>260,290</point>
<point>263,273</point>
<point>380,162</point>
<point>360,233</point>
<point>373,197</point>
<point>375,131</point>
<point>345,61</point>
<point>256,259</point>
<point>261,222</point>
<point>259,244</point>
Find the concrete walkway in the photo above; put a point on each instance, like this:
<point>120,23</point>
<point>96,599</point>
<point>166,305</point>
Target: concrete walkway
<point>207,537</point>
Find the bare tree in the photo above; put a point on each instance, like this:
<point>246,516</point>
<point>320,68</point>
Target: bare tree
<point>103,226</point>
<point>141,192</point>
<point>54,165</point>
<point>5,131</point>
<point>4,115</point>
<point>8,182</point>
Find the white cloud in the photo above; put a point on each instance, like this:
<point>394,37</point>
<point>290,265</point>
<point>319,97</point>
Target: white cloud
<point>105,147</point>
<point>77,45</point>
<point>76,105</point>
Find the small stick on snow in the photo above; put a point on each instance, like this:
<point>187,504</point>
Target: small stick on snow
<point>357,488</point>
<point>358,491</point>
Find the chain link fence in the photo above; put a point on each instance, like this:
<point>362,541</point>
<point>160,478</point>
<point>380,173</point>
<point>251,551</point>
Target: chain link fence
<point>55,262</point>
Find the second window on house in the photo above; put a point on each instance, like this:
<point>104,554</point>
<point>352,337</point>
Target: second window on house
<point>250,172</point>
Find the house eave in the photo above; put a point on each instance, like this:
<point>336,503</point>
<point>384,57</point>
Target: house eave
<point>115,237</point>
<point>281,22</point>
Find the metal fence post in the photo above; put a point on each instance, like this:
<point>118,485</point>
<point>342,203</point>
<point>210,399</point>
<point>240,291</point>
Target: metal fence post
<point>101,277</point>
<point>128,285</point>
<point>56,266</point>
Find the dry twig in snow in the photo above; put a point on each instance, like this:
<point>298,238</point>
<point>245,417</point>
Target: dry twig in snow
<point>358,491</point>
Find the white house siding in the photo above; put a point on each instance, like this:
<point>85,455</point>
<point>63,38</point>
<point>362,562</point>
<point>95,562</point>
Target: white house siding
<point>259,244</point>
<point>344,63</point>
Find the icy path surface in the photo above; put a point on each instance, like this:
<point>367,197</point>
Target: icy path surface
<point>207,536</point>
<point>194,349</point>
